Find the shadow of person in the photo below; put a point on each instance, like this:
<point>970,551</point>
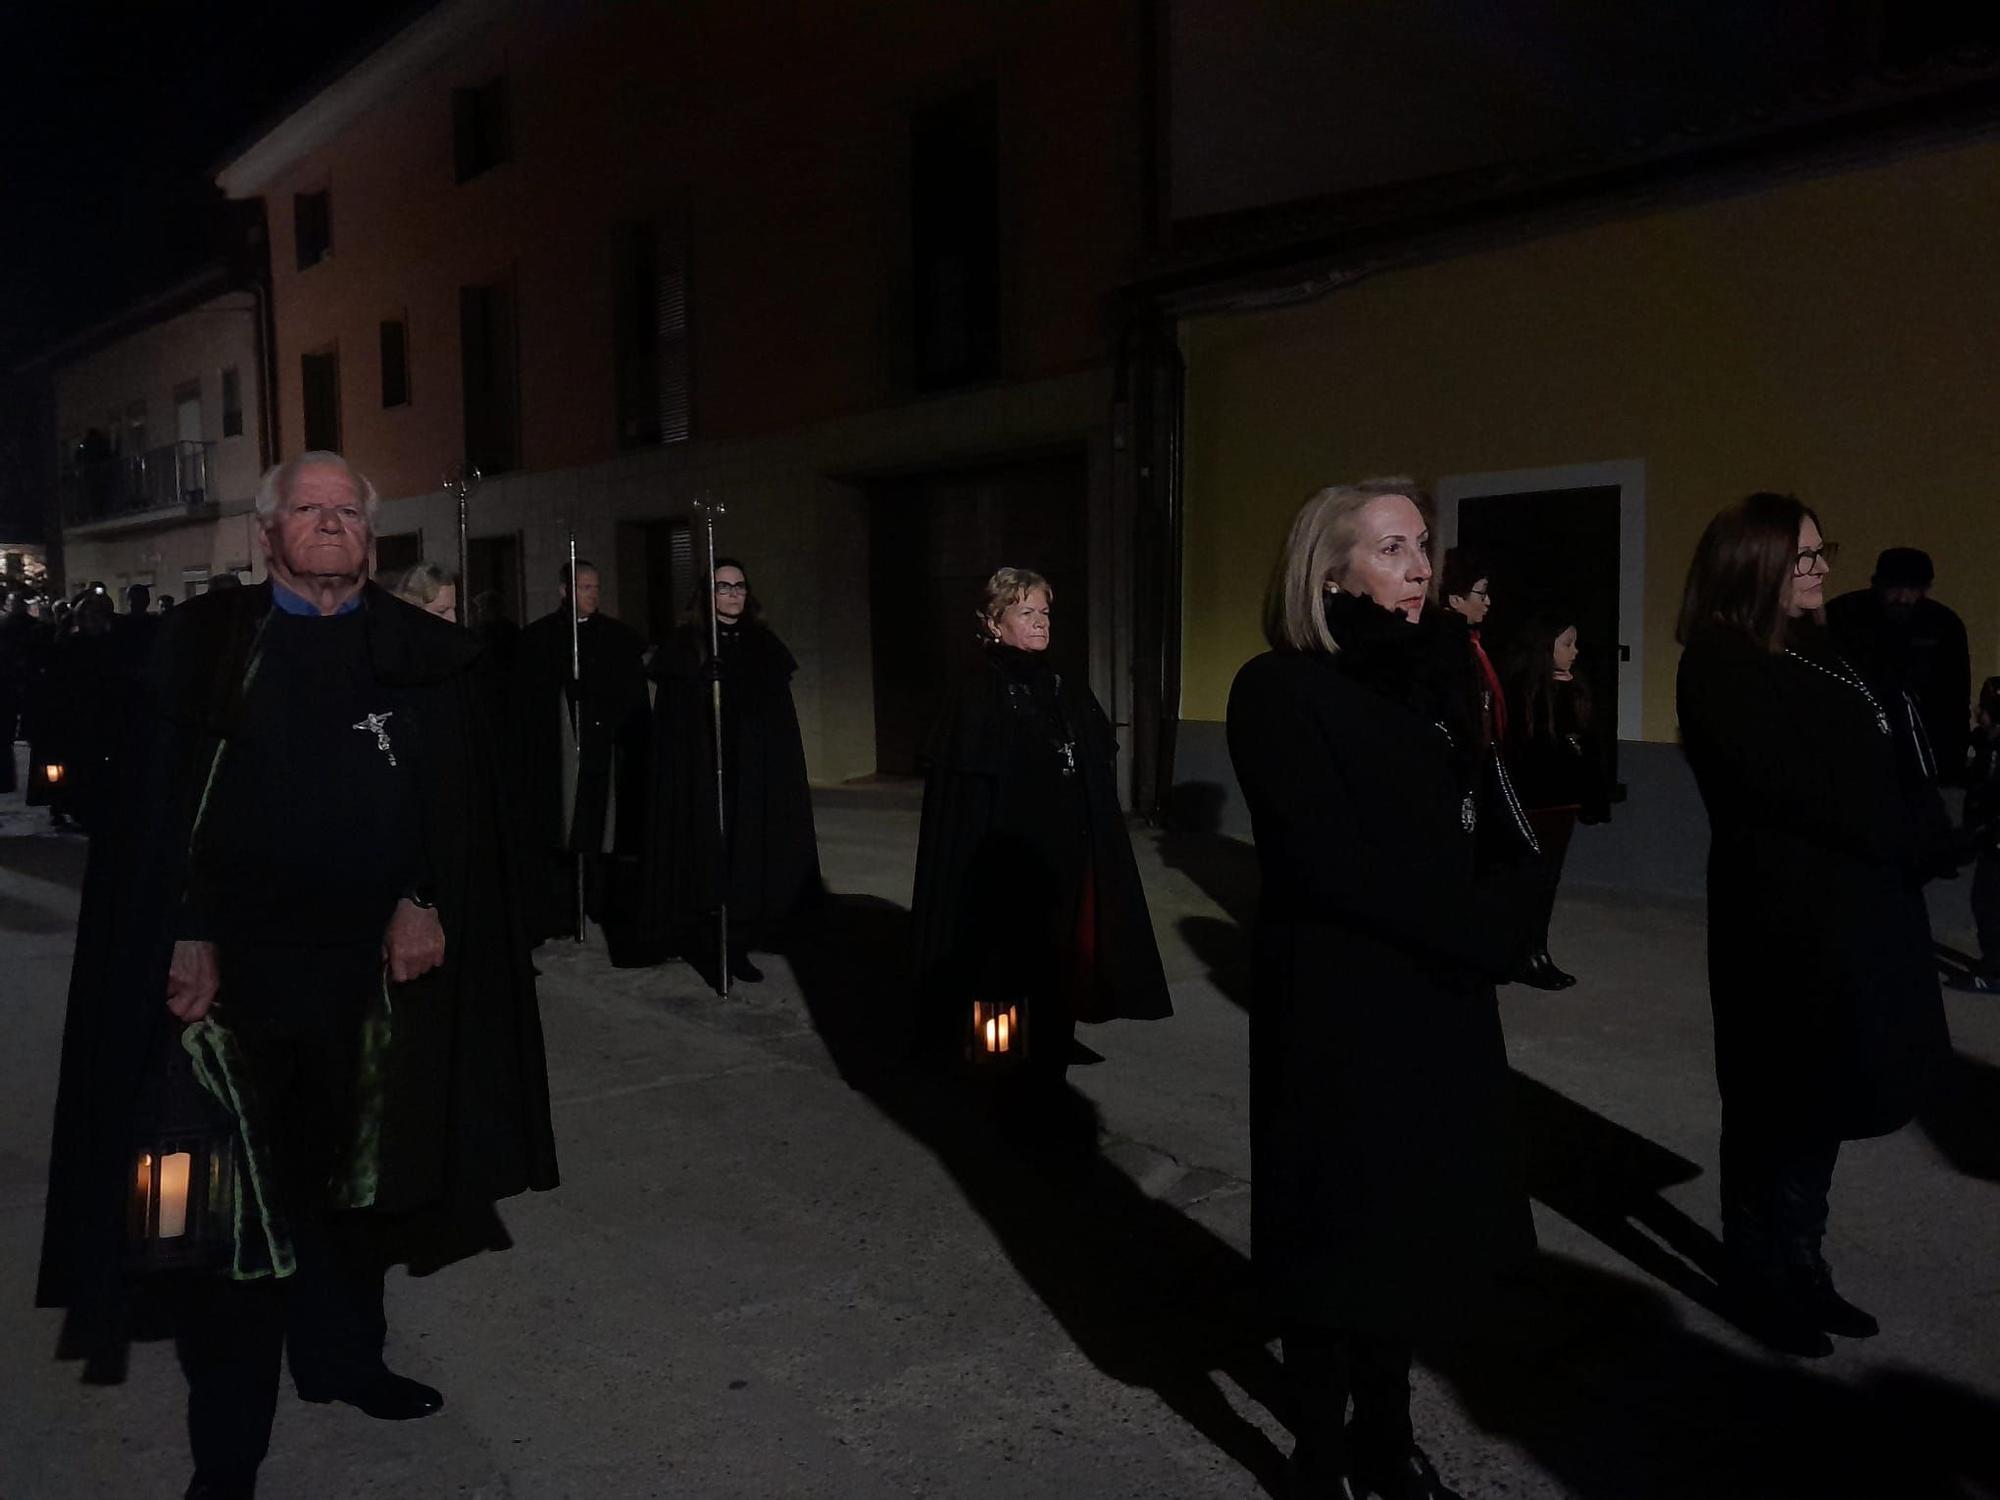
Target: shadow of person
<point>1225,869</point>
<point>1593,1375</point>
<point>1224,948</point>
<point>1149,1296</point>
<point>1607,1180</point>
<point>1963,1117</point>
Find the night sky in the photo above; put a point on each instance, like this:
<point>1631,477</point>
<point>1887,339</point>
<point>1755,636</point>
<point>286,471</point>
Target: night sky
<point>110,125</point>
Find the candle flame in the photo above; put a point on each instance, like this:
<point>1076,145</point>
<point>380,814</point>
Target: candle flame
<point>175,1168</point>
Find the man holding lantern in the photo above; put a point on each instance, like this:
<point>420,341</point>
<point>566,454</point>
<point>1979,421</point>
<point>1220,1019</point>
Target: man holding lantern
<point>302,904</point>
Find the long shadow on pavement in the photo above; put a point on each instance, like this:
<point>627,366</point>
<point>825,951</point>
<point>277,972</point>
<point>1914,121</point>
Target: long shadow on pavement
<point>1152,1298</point>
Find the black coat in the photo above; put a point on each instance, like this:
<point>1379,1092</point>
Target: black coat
<point>1385,1185</point>
<point>610,714</point>
<point>998,883</point>
<point>465,1115</point>
<point>1828,1020</point>
<point>1556,757</point>
<point>1922,652</point>
<point>773,847</point>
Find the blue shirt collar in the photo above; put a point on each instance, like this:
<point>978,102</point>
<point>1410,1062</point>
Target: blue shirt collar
<point>297,604</point>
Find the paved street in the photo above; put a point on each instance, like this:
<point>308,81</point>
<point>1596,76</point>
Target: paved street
<point>775,1268</point>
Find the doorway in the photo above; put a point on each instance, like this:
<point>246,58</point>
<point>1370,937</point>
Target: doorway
<point>934,539</point>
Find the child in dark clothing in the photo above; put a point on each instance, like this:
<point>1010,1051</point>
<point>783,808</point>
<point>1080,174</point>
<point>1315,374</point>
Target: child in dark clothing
<point>1982,810</point>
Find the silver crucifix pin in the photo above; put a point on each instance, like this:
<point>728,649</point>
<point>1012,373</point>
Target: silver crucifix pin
<point>378,725</point>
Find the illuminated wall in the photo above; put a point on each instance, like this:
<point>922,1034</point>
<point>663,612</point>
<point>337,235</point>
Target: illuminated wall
<point>1834,337</point>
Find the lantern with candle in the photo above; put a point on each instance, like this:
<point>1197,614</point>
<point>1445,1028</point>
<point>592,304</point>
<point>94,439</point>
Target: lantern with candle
<point>52,773</point>
<point>182,1184</point>
<point>998,1033</point>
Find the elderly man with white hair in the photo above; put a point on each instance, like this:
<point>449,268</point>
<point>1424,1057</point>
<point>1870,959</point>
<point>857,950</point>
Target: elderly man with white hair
<point>304,892</point>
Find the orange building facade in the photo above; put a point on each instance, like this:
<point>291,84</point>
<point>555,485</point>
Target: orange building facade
<point>622,256</point>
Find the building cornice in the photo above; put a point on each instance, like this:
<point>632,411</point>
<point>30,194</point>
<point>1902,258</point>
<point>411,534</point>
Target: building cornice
<point>331,106</point>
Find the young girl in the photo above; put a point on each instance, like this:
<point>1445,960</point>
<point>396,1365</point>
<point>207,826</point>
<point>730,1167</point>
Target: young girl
<point>1558,770</point>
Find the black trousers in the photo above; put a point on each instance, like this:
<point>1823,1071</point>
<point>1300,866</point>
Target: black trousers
<point>1774,1197</point>
<point>1324,1369</point>
<point>1986,910</point>
<point>1554,826</point>
<point>297,1015</point>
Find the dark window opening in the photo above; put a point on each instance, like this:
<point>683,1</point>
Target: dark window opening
<point>479,128</point>
<point>232,404</point>
<point>312,225</point>
<point>487,348</point>
<point>398,554</point>
<point>650,335</point>
<point>395,362</point>
<point>955,239</point>
<point>319,387</point>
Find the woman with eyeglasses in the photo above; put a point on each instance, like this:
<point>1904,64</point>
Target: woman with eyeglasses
<point>770,868</point>
<point>1828,1020</point>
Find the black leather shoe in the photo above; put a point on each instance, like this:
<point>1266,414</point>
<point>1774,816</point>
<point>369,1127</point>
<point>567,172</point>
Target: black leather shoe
<point>389,1397</point>
<point>741,968</point>
<point>1541,973</point>
<point>1833,1312</point>
<point>1410,1477</point>
<point>1775,1315</point>
<point>215,1487</point>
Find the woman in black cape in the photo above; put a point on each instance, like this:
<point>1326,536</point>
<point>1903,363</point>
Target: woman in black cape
<point>1828,1020</point>
<point>770,868</point>
<point>1027,892</point>
<point>1398,886</point>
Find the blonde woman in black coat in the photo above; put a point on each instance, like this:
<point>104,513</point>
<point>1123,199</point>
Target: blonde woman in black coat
<point>1378,1076</point>
<point>1828,1021</point>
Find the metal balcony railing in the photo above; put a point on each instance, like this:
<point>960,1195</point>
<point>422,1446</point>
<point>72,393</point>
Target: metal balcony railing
<point>160,481</point>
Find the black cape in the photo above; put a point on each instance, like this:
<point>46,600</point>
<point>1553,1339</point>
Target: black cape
<point>1828,1019</point>
<point>610,755</point>
<point>982,870</point>
<point>1387,1189</point>
<point>773,847</point>
<point>465,1116</point>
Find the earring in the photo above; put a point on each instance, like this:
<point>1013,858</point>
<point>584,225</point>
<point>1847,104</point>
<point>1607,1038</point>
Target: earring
<point>1332,587</point>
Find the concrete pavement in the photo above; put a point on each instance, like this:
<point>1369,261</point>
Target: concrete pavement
<point>776,1268</point>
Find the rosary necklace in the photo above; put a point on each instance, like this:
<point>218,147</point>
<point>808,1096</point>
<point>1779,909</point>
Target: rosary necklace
<point>1852,678</point>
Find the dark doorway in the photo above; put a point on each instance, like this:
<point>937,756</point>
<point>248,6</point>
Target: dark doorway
<point>933,541</point>
<point>495,565</point>
<point>1555,551</point>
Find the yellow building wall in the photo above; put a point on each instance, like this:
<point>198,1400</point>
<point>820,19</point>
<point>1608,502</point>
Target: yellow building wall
<point>1838,338</point>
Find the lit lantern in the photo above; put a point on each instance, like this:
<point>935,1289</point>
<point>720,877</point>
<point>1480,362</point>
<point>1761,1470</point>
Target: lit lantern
<point>53,774</point>
<point>181,1213</point>
<point>998,1033</point>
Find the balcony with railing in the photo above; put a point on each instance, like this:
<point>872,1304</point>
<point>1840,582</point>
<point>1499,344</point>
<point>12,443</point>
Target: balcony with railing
<point>158,485</point>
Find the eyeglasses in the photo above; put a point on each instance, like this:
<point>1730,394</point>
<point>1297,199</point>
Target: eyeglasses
<point>1485,594</point>
<point>1825,552</point>
<point>732,588</point>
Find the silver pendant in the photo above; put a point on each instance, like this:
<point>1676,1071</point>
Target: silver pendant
<point>378,725</point>
<point>1468,814</point>
<point>1881,721</point>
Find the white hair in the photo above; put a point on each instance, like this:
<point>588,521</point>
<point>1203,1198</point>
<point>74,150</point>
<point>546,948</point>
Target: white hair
<point>274,491</point>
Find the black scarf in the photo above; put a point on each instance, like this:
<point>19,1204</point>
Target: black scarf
<point>1427,667</point>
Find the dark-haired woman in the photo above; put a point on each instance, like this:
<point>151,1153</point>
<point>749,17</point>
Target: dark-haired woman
<point>1383,1196</point>
<point>1828,1020</point>
<point>1557,766</point>
<point>769,868</point>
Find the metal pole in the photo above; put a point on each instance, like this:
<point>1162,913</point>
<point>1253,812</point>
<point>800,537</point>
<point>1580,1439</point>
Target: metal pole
<point>709,511</point>
<point>576,726</point>
<point>462,480</point>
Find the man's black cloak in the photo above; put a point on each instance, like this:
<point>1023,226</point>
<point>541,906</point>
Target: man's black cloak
<point>465,1116</point>
<point>981,879</point>
<point>609,753</point>
<point>773,848</point>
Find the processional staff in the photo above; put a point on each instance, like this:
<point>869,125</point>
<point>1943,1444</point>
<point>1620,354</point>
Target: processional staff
<point>576,726</point>
<point>708,510</point>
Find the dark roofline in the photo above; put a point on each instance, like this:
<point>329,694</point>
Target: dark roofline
<point>385,32</point>
<point>213,280</point>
